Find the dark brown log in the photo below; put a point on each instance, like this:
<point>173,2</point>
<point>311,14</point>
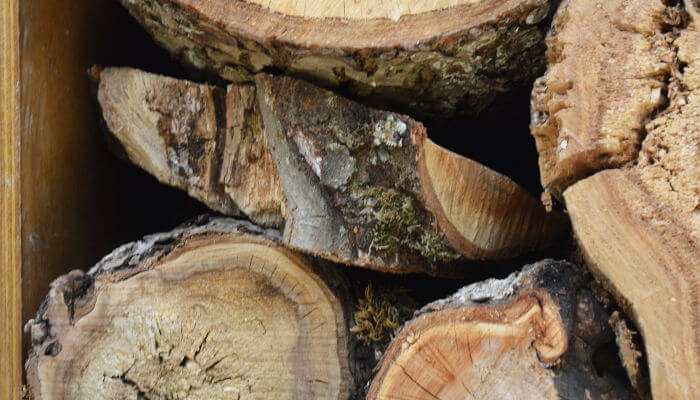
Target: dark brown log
<point>623,90</point>
<point>346,182</point>
<point>430,57</point>
<point>532,335</point>
<point>211,311</point>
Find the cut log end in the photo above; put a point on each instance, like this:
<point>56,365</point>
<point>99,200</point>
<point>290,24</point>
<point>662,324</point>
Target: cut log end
<point>356,10</point>
<point>460,191</point>
<point>530,336</point>
<point>440,58</point>
<point>213,316</point>
<point>610,62</point>
<point>639,227</point>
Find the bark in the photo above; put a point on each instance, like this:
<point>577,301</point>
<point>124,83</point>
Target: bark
<point>410,55</point>
<point>209,311</point>
<point>609,66</point>
<point>638,226</point>
<point>532,335</point>
<point>345,182</point>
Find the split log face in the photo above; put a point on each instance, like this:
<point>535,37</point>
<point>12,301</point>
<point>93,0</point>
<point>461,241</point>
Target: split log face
<point>430,57</point>
<point>208,312</point>
<point>206,140</point>
<point>529,336</point>
<point>639,227</point>
<point>609,62</point>
<point>346,182</point>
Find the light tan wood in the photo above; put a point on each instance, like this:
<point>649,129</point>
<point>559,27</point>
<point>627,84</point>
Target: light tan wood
<point>529,336</point>
<point>360,9</point>
<point>482,212</point>
<point>438,59</point>
<point>344,182</point>
<point>640,252</point>
<point>217,311</point>
<point>171,129</point>
<point>69,208</point>
<point>10,205</point>
<point>639,228</point>
<point>608,66</point>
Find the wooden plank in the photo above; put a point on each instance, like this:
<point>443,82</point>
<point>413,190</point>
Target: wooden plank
<point>10,220</point>
<point>66,201</point>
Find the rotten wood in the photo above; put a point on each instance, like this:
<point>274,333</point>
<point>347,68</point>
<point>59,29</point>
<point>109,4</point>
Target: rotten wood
<point>427,57</point>
<point>212,310</point>
<point>345,182</point>
<point>609,64</point>
<point>532,335</point>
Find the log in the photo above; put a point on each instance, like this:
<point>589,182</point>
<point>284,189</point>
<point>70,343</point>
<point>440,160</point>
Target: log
<point>638,226</point>
<point>345,182</point>
<point>532,335</point>
<point>609,63</point>
<point>435,58</point>
<point>216,310</point>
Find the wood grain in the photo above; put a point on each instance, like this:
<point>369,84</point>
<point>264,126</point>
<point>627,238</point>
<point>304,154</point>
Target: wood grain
<point>609,63</point>
<point>346,182</point>
<point>639,227</point>
<point>453,59</point>
<point>531,335</point>
<point>637,248</point>
<point>10,221</point>
<point>212,310</point>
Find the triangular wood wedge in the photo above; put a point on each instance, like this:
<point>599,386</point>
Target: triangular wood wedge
<point>432,57</point>
<point>531,336</point>
<point>216,310</point>
<point>344,181</point>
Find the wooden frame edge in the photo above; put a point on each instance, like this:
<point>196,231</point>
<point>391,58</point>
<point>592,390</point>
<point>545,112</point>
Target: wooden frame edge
<point>10,205</point>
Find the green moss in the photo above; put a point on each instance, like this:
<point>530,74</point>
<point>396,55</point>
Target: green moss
<point>398,226</point>
<point>379,314</point>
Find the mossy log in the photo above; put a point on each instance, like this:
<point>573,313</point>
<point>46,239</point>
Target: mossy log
<point>216,310</point>
<point>632,101</point>
<point>532,336</point>
<point>344,181</point>
<point>430,57</point>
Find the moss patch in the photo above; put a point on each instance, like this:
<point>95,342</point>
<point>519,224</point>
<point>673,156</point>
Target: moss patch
<point>398,226</point>
<point>380,313</point>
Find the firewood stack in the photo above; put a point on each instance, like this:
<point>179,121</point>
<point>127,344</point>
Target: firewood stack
<point>309,144</point>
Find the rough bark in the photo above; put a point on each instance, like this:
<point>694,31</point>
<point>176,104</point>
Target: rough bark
<point>532,335</point>
<point>431,59</point>
<point>344,181</point>
<point>208,311</point>
<point>609,66</point>
<point>639,227</point>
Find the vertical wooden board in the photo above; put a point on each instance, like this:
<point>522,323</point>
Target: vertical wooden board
<point>10,221</point>
<point>62,169</point>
